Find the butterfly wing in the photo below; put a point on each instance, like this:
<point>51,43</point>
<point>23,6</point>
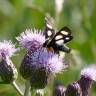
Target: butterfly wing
<point>61,37</point>
<point>49,31</point>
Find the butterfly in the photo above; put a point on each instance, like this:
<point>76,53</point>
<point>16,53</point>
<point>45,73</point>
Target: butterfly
<point>55,41</point>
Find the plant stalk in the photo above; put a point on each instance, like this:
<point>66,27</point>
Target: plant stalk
<point>17,88</point>
<point>27,89</point>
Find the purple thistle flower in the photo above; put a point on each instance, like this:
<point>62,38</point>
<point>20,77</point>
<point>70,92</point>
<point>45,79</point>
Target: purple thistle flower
<point>7,49</point>
<point>88,75</point>
<point>31,39</point>
<point>89,72</point>
<point>45,65</point>
<point>38,64</point>
<point>8,72</point>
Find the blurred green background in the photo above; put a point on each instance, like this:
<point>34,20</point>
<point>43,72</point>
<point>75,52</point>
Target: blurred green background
<point>78,15</point>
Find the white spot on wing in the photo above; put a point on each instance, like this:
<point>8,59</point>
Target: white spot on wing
<point>49,26</point>
<point>49,33</point>
<point>64,32</point>
<point>58,37</point>
<point>67,38</point>
<point>60,42</point>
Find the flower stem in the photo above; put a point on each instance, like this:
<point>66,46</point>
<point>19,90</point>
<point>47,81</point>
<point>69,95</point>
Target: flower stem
<point>17,88</point>
<point>27,89</point>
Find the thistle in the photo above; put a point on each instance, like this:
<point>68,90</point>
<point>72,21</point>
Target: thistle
<point>31,39</point>
<point>8,72</point>
<point>45,65</point>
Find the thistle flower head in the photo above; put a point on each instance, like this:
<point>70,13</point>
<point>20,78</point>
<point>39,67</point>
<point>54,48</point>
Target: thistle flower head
<point>31,39</point>
<point>8,72</point>
<point>89,72</point>
<point>7,49</point>
<point>46,64</point>
<point>48,60</point>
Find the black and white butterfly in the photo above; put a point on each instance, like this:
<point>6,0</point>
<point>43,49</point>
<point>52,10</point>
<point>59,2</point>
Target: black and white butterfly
<point>57,40</point>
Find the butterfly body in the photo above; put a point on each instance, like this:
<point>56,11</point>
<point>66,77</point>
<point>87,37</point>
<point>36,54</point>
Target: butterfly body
<point>55,41</point>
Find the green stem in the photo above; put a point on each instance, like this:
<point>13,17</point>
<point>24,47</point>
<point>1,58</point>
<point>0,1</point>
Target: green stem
<point>27,89</point>
<point>17,88</point>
